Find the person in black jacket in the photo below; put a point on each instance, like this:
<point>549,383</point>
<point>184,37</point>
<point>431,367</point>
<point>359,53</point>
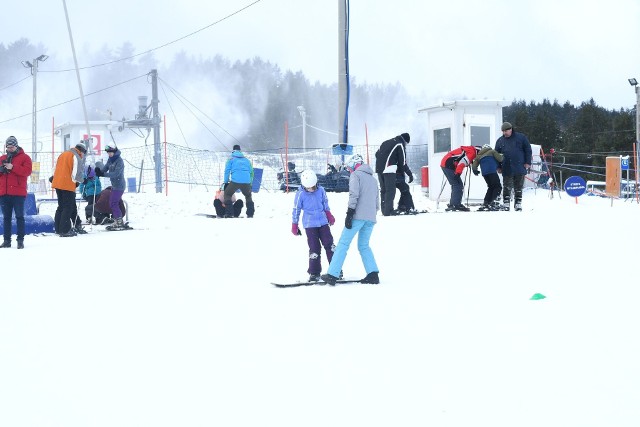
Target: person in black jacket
<point>391,160</point>
<point>516,163</point>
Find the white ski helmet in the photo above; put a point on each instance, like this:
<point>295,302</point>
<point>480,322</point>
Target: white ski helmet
<point>308,178</point>
<point>353,161</point>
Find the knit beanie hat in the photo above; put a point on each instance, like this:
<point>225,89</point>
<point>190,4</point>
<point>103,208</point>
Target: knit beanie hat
<point>12,141</point>
<point>236,147</point>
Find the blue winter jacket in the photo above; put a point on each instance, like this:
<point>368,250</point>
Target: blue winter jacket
<point>114,170</point>
<point>314,204</point>
<point>92,187</point>
<point>238,169</point>
<point>517,153</point>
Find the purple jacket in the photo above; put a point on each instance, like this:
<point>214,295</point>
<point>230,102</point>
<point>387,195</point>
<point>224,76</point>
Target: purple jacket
<point>314,204</point>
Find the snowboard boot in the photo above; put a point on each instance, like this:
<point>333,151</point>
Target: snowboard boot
<point>6,244</point>
<point>371,278</point>
<point>117,225</point>
<point>314,278</point>
<point>20,244</point>
<point>250,209</point>
<point>329,279</point>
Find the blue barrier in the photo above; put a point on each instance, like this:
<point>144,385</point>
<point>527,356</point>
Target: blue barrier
<point>257,180</point>
<point>33,223</point>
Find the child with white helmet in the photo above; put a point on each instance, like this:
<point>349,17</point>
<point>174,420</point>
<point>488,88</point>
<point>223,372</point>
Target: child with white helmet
<point>311,201</point>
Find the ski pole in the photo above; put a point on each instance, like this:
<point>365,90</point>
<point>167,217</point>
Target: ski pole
<point>441,190</point>
<point>469,187</point>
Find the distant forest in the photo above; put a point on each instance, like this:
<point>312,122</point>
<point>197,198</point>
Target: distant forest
<point>248,102</point>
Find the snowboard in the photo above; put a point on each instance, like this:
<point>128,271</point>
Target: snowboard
<point>297,284</point>
<point>207,215</point>
<point>403,213</point>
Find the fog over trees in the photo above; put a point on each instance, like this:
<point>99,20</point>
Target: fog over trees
<point>216,103</point>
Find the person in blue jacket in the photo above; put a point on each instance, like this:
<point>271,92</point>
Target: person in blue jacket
<point>114,170</point>
<point>516,163</point>
<point>311,201</point>
<point>238,174</point>
<point>488,159</point>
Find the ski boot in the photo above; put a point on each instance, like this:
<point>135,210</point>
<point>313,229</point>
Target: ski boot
<point>371,278</point>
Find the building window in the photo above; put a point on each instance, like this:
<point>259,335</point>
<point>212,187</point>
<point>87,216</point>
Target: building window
<point>480,135</point>
<point>442,140</point>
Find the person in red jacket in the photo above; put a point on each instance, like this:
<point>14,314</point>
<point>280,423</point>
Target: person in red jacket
<point>453,164</point>
<point>15,169</point>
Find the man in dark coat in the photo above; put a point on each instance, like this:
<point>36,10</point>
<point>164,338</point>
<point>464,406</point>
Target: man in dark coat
<point>391,159</point>
<point>517,160</point>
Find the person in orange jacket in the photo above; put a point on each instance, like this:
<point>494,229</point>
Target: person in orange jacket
<point>453,164</point>
<point>68,175</point>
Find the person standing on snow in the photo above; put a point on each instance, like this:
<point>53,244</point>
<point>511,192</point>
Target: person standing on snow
<point>15,169</point>
<point>311,201</point>
<point>391,160</point>
<point>516,149</point>
<point>363,205</point>
<point>114,170</point>
<point>238,174</point>
<point>488,159</point>
<point>66,178</point>
<point>453,164</point>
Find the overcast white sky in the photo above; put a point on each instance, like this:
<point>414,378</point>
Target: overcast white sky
<point>497,49</point>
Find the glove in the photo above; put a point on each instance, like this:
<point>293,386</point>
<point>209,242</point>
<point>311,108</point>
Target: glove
<point>410,177</point>
<point>348,222</point>
<point>295,230</point>
<point>476,172</point>
<point>77,184</point>
<point>330,217</point>
<point>51,179</point>
<point>99,172</point>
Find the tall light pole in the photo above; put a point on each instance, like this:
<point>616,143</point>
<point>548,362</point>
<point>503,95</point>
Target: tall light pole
<point>34,121</point>
<point>303,114</point>
<point>633,82</point>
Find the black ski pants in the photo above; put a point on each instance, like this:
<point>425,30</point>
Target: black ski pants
<point>494,188</point>
<point>66,212</point>
<point>387,192</point>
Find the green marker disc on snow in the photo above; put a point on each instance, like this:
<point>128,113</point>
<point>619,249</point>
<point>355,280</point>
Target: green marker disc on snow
<point>537,296</point>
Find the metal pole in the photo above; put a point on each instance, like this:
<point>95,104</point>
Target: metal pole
<point>155,120</point>
<point>88,143</point>
<point>34,125</point>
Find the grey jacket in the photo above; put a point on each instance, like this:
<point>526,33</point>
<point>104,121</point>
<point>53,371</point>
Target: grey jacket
<point>364,195</point>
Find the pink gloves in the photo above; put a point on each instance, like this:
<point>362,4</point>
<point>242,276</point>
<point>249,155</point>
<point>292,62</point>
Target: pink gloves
<point>330,217</point>
<point>295,230</point>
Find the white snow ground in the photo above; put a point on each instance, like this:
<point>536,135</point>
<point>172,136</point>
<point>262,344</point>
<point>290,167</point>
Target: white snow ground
<point>176,324</point>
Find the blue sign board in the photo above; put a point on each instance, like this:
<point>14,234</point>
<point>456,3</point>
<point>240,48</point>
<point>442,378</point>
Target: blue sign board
<point>575,186</point>
<point>625,163</point>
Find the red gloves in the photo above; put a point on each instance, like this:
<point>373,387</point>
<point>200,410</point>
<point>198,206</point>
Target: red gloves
<point>330,217</point>
<point>295,230</point>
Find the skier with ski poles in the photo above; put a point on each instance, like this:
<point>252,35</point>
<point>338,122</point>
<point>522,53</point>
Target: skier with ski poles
<point>453,164</point>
